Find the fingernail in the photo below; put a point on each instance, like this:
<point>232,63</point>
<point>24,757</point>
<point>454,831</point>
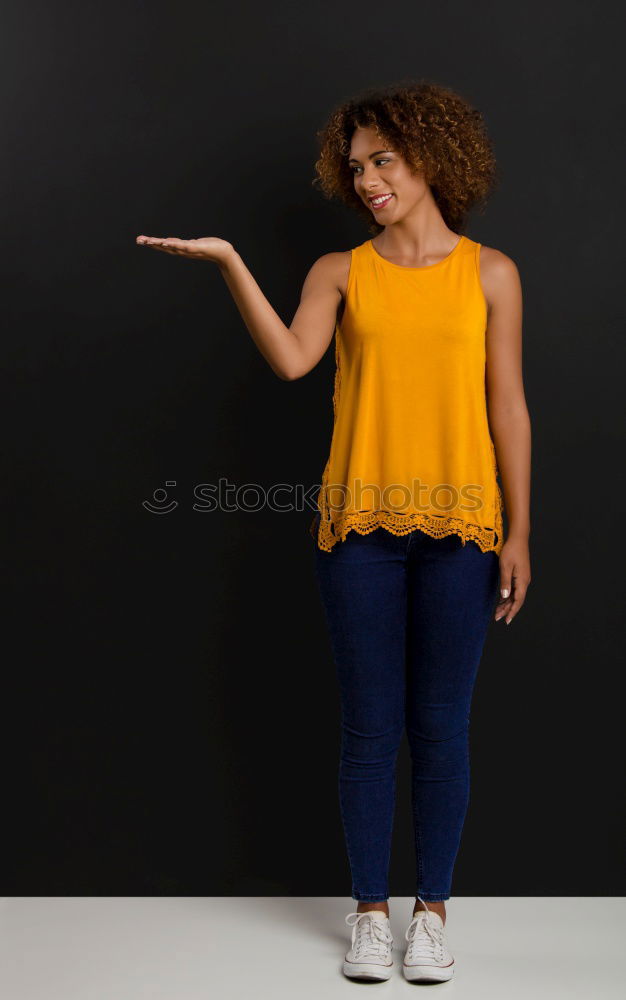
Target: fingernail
<point>505,593</point>
<point>508,621</point>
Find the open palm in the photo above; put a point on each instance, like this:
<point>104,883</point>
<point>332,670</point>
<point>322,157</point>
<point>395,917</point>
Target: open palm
<point>205,248</point>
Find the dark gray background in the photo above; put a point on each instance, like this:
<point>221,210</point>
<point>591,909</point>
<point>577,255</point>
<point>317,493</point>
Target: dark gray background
<point>170,709</point>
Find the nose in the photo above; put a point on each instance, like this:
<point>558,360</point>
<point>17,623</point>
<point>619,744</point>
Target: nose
<point>371,187</point>
<point>368,186</point>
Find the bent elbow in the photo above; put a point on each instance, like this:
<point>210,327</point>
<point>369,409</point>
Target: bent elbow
<point>290,376</point>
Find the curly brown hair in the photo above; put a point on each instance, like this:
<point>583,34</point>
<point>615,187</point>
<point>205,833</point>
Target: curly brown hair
<point>432,127</point>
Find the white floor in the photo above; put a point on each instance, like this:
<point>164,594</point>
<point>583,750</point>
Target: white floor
<point>187,948</point>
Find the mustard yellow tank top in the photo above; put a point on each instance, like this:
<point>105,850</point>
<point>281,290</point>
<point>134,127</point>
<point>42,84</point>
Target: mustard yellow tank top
<point>411,445</point>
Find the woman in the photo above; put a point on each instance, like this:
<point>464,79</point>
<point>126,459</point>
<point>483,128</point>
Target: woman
<point>409,550</point>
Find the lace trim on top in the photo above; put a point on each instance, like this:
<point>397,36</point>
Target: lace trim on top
<point>437,526</point>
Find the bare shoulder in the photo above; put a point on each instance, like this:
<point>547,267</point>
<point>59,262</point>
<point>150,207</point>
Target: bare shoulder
<point>334,267</point>
<point>499,274</point>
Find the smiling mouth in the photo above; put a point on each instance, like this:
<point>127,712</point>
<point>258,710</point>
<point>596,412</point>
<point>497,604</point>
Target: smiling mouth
<point>380,201</point>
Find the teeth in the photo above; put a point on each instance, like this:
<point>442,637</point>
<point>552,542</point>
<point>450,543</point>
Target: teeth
<point>379,201</point>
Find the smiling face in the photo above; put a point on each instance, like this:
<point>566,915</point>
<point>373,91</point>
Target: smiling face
<point>383,179</point>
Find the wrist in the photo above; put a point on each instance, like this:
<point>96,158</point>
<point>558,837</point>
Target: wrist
<point>228,259</point>
<point>519,532</point>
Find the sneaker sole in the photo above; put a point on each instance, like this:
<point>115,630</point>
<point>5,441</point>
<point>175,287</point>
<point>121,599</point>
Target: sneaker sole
<point>367,970</point>
<point>428,973</point>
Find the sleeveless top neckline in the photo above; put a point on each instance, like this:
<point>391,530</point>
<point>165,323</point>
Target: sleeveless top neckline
<point>421,267</point>
<point>411,445</point>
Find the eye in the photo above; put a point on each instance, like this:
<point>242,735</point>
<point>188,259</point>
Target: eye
<point>381,159</point>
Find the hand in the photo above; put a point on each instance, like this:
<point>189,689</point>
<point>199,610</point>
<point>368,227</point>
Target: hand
<point>514,577</point>
<point>206,248</point>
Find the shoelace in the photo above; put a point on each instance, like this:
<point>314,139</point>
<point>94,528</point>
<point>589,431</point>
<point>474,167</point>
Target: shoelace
<point>369,936</point>
<point>425,941</point>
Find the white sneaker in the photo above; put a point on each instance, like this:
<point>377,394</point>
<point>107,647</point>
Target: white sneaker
<point>427,957</point>
<point>370,956</point>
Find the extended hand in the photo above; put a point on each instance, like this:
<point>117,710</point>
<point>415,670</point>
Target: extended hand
<point>206,248</point>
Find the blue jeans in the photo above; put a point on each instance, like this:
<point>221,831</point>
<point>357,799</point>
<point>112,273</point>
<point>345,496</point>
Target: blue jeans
<point>407,618</point>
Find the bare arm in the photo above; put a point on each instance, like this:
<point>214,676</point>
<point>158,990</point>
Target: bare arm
<point>291,351</point>
<point>509,420</point>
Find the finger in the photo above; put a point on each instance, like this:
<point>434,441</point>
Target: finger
<point>520,587</point>
<point>505,597</point>
<point>505,583</point>
<point>171,245</point>
<point>503,608</point>
<point>166,247</point>
<point>150,241</point>
<point>188,248</point>
<point>161,242</point>
<point>513,611</point>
